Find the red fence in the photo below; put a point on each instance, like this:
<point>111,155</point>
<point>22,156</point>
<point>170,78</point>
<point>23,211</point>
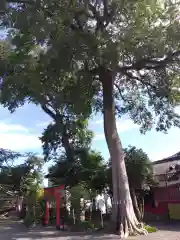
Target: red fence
<point>160,209</point>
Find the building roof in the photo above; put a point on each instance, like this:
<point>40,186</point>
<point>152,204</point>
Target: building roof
<point>161,166</point>
<point>169,159</point>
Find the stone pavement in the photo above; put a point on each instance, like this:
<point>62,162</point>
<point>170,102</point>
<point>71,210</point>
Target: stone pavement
<point>14,230</point>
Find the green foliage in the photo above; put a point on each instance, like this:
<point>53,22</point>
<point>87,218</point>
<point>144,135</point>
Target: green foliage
<point>87,225</point>
<point>29,220</point>
<point>150,229</point>
<point>7,157</point>
<point>55,56</point>
<point>12,176</point>
<point>60,49</point>
<point>139,169</point>
<point>77,192</point>
<point>21,178</point>
<point>63,51</point>
<point>87,168</point>
<point>31,181</point>
<point>69,136</point>
<point>31,189</point>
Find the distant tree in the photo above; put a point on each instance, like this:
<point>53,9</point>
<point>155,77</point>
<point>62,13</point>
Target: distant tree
<point>7,157</point>
<point>66,136</point>
<point>12,176</point>
<point>34,176</point>
<point>88,168</point>
<point>140,174</point>
<point>77,193</point>
<point>21,177</point>
<point>31,186</point>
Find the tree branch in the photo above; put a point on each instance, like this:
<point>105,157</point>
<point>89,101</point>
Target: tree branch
<point>48,111</point>
<point>128,74</point>
<point>98,17</point>
<point>105,3</point>
<point>65,137</point>
<point>150,64</point>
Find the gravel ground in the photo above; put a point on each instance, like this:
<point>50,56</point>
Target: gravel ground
<point>13,230</point>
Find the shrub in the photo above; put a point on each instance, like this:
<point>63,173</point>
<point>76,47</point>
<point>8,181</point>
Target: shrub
<point>29,221</point>
<point>88,225</point>
<point>150,229</point>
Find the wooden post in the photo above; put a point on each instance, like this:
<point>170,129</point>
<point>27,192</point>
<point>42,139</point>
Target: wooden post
<point>46,215</point>
<point>102,222</point>
<point>58,211</point>
<point>74,219</point>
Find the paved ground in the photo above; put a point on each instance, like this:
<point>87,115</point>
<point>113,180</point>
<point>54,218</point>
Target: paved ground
<point>12,230</point>
<point>165,232</point>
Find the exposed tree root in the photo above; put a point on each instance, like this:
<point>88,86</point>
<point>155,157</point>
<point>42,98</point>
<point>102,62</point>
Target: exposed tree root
<point>128,223</point>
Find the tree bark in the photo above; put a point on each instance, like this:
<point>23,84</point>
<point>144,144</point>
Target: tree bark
<point>123,211</point>
<point>141,207</point>
<point>135,204</point>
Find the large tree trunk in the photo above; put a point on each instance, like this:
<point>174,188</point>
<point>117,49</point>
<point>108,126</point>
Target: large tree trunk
<point>126,220</point>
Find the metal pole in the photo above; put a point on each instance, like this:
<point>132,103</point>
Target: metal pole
<point>167,188</point>
<point>74,219</point>
<point>166,178</point>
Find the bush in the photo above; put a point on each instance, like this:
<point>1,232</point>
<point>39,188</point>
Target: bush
<point>87,225</point>
<point>150,229</point>
<point>29,221</point>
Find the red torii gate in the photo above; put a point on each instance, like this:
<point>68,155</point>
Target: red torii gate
<point>58,193</point>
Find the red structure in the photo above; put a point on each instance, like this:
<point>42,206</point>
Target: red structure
<point>57,193</point>
<point>167,192</point>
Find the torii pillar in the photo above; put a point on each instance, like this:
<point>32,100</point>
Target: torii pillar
<point>57,192</point>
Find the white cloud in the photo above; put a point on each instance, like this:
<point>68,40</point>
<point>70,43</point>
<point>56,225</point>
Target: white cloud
<point>122,126</point>
<point>125,125</point>
<point>42,124</point>
<point>154,156</point>
<point>12,128</point>
<point>17,137</point>
<point>99,136</point>
<point>19,141</point>
<point>99,122</point>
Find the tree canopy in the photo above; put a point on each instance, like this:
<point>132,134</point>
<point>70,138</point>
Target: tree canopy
<point>140,175</point>
<point>75,57</point>
<point>88,168</point>
<point>19,178</point>
<point>7,157</point>
<point>139,169</point>
<point>120,39</point>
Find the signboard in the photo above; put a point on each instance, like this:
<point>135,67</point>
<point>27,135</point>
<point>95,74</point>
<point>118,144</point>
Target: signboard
<point>174,211</point>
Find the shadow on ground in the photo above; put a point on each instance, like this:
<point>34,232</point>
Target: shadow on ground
<point>13,230</point>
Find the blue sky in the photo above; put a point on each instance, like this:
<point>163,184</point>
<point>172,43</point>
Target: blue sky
<point>20,131</point>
